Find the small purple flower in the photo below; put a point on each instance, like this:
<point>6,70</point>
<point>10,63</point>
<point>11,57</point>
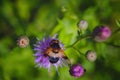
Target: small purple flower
<point>42,59</point>
<point>101,33</point>
<point>77,70</point>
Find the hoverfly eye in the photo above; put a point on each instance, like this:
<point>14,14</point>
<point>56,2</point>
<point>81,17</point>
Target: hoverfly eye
<point>53,60</point>
<point>55,45</point>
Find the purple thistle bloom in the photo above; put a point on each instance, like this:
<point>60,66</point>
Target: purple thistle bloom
<point>77,70</point>
<point>42,59</point>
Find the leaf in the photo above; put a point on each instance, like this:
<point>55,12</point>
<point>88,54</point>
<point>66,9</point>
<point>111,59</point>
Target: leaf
<point>118,23</point>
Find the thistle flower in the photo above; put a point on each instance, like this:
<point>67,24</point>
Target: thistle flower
<point>43,59</point>
<point>91,55</point>
<point>101,33</point>
<point>77,70</point>
<point>82,24</point>
<point>23,41</point>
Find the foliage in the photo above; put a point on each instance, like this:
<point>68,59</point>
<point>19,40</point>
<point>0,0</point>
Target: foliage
<point>39,18</point>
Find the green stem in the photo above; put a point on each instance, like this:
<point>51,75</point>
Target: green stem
<point>72,46</point>
<point>117,30</point>
<point>88,36</point>
<point>111,44</point>
<point>78,51</point>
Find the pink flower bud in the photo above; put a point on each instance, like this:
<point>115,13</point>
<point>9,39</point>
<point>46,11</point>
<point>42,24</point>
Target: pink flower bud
<point>23,41</point>
<point>91,55</point>
<point>82,24</point>
<point>101,33</point>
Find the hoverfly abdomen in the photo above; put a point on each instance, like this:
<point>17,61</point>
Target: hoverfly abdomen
<point>53,59</point>
<point>55,51</point>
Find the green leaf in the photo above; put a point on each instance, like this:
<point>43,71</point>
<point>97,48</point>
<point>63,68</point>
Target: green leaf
<point>118,23</point>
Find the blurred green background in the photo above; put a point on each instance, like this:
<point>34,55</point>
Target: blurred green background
<point>36,18</point>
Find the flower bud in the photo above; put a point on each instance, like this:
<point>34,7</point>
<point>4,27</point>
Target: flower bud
<point>101,33</point>
<point>23,41</point>
<point>82,24</point>
<point>63,9</point>
<point>91,55</point>
<point>76,70</point>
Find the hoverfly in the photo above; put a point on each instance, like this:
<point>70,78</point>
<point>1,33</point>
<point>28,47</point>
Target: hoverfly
<point>55,52</point>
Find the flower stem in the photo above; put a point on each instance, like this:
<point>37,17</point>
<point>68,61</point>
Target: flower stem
<point>111,44</point>
<point>72,46</point>
<point>117,30</point>
<point>78,51</point>
<point>82,37</point>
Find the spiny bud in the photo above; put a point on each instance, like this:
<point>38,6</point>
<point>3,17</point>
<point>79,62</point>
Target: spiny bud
<point>82,24</point>
<point>101,33</point>
<point>76,70</point>
<point>23,41</point>
<point>91,55</point>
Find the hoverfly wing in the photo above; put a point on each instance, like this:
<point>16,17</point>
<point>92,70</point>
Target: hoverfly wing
<point>65,61</point>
